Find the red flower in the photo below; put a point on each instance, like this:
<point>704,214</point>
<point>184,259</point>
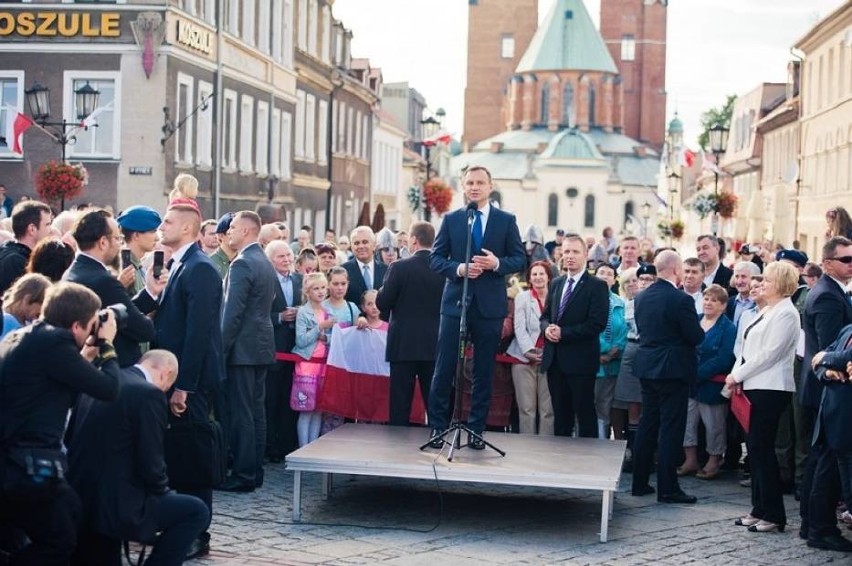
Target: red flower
<point>57,181</point>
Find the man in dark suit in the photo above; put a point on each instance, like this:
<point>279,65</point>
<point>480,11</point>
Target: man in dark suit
<point>496,251</point>
<point>832,443</point>
<point>187,324</point>
<point>363,269</point>
<point>411,300</point>
<point>249,346</point>
<point>43,369</point>
<point>666,365</point>
<point>708,248</point>
<point>827,311</point>
<point>575,314</point>
<point>99,241</point>
<point>116,465</point>
<point>281,420</point>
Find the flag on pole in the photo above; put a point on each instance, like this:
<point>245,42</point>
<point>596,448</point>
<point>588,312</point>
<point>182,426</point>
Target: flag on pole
<point>90,120</point>
<point>708,164</point>
<point>16,125</point>
<point>440,137</point>
<point>687,157</point>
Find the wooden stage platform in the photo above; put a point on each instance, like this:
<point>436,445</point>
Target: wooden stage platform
<point>540,461</point>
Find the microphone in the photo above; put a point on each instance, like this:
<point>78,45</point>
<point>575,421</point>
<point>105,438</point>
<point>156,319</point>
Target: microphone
<point>471,208</point>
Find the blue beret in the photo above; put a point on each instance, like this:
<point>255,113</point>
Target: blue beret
<point>139,219</point>
<point>646,269</point>
<point>797,257</point>
<point>224,223</point>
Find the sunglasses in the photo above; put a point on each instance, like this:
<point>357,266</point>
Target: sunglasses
<point>844,259</point>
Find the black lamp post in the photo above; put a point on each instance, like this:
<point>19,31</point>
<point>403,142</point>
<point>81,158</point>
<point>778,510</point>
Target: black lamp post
<point>674,181</point>
<point>38,100</point>
<point>430,127</point>
<point>646,214</point>
<point>718,145</point>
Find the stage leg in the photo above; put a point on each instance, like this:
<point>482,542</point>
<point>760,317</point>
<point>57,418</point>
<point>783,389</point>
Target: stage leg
<point>327,485</point>
<point>297,496</point>
<point>606,506</point>
<point>611,504</point>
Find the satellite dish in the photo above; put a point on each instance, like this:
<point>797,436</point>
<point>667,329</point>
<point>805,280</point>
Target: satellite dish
<point>791,173</point>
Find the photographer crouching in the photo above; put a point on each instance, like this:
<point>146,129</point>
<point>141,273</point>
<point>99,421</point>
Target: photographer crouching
<point>43,369</point>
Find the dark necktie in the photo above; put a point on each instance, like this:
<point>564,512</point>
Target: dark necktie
<point>565,297</point>
<point>477,232</point>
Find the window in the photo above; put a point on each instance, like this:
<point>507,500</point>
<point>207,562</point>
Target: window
<point>248,22</point>
<point>275,144</point>
<point>628,47</point>
<point>545,102</point>
<point>11,95</point>
<point>496,198</point>
<point>263,25</point>
<point>326,34</point>
<point>507,46</point>
<point>262,143</point>
<point>553,210</point>
<point>300,124</point>
<point>340,129</point>
<point>350,131</point>
<point>105,140</point>
<point>183,108</point>
<point>302,39</point>
<point>310,127</point>
<point>286,146</point>
<point>335,109</point>
<point>589,212</point>
<point>568,105</point>
<point>628,212</point>
<point>592,104</point>
<point>322,132</point>
<point>287,35</point>
<point>233,15</point>
<point>365,134</point>
<point>204,143</point>
<point>229,130</point>
<point>313,27</point>
<point>357,141</point>
<point>278,30</point>
<point>246,123</point>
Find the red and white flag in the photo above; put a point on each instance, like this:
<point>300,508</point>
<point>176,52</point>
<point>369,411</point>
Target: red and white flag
<point>90,120</point>
<point>16,125</point>
<point>440,137</point>
<point>357,378</point>
<point>708,163</point>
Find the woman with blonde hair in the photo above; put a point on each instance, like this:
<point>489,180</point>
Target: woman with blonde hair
<point>185,186</point>
<point>22,301</point>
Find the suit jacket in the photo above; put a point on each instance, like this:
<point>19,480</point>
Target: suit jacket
<point>488,291</point>
<point>827,311</point>
<point>116,463</point>
<point>723,277</point>
<point>285,332</point>
<point>768,352</point>
<point>357,285</point>
<point>578,352</point>
<point>92,274</point>
<point>250,286</point>
<point>187,322</point>
<point>835,418</point>
<point>669,332</point>
<point>411,299</point>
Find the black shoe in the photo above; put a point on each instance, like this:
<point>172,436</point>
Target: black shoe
<point>476,442</point>
<point>831,542</point>
<point>200,547</point>
<point>258,479</point>
<point>677,497</point>
<point>236,486</point>
<point>639,491</point>
<point>435,439</point>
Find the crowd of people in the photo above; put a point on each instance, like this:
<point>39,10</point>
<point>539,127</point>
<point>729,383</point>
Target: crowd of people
<point>191,352</point>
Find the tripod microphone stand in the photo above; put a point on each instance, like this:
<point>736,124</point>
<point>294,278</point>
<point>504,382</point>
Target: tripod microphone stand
<point>457,427</point>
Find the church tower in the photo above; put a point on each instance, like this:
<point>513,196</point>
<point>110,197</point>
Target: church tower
<point>499,32</point>
<point>635,34</point>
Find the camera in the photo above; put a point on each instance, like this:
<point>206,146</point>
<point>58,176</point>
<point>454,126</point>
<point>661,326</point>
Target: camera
<point>120,312</point>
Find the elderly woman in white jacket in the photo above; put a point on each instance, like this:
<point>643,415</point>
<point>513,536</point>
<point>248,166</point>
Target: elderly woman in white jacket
<point>531,389</point>
<point>764,373</point>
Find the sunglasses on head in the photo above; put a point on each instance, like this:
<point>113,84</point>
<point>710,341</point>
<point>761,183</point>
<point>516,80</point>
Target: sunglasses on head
<point>843,259</point>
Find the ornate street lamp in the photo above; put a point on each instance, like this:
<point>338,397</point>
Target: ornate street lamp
<point>38,101</point>
<point>718,145</point>
<point>646,215</point>
<point>429,129</point>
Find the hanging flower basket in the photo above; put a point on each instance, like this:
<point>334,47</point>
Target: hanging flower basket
<point>664,229</point>
<point>437,196</point>
<point>704,205</point>
<point>56,181</point>
<point>726,204</point>
<point>677,228</point>
<point>414,198</point>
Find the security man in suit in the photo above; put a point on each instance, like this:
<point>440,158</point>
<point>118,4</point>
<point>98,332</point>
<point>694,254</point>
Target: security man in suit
<point>576,313</point>
<point>117,467</point>
<point>42,372</point>
<point>496,251</point>
<point>363,269</point>
<point>666,364</point>
<point>249,346</point>
<point>99,241</point>
<point>281,420</point>
<point>411,300</point>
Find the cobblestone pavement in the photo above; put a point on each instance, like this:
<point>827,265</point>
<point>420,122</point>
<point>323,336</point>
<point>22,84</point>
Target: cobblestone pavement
<point>372,520</point>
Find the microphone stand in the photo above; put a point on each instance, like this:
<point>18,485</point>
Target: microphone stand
<point>457,427</point>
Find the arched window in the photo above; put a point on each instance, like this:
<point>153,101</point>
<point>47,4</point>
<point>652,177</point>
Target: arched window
<point>628,212</point>
<point>589,212</point>
<point>545,102</point>
<point>497,199</point>
<point>568,105</point>
<point>592,104</point>
<point>552,210</point>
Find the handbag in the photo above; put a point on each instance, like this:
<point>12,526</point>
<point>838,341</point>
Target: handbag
<point>303,395</point>
<point>195,452</point>
<point>741,407</point>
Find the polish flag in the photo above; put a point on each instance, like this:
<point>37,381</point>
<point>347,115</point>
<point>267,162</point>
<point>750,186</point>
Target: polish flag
<point>90,121</point>
<point>357,378</point>
<point>687,157</point>
<point>708,164</point>
<point>440,137</point>
<point>16,125</point>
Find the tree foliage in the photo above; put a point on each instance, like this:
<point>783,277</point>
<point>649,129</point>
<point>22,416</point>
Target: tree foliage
<point>715,116</point>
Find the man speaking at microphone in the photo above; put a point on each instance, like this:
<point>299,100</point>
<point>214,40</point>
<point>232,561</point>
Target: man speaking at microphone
<point>496,251</point>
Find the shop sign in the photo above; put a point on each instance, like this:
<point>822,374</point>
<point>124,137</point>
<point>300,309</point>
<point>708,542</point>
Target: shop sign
<point>60,24</point>
<point>194,36</point>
